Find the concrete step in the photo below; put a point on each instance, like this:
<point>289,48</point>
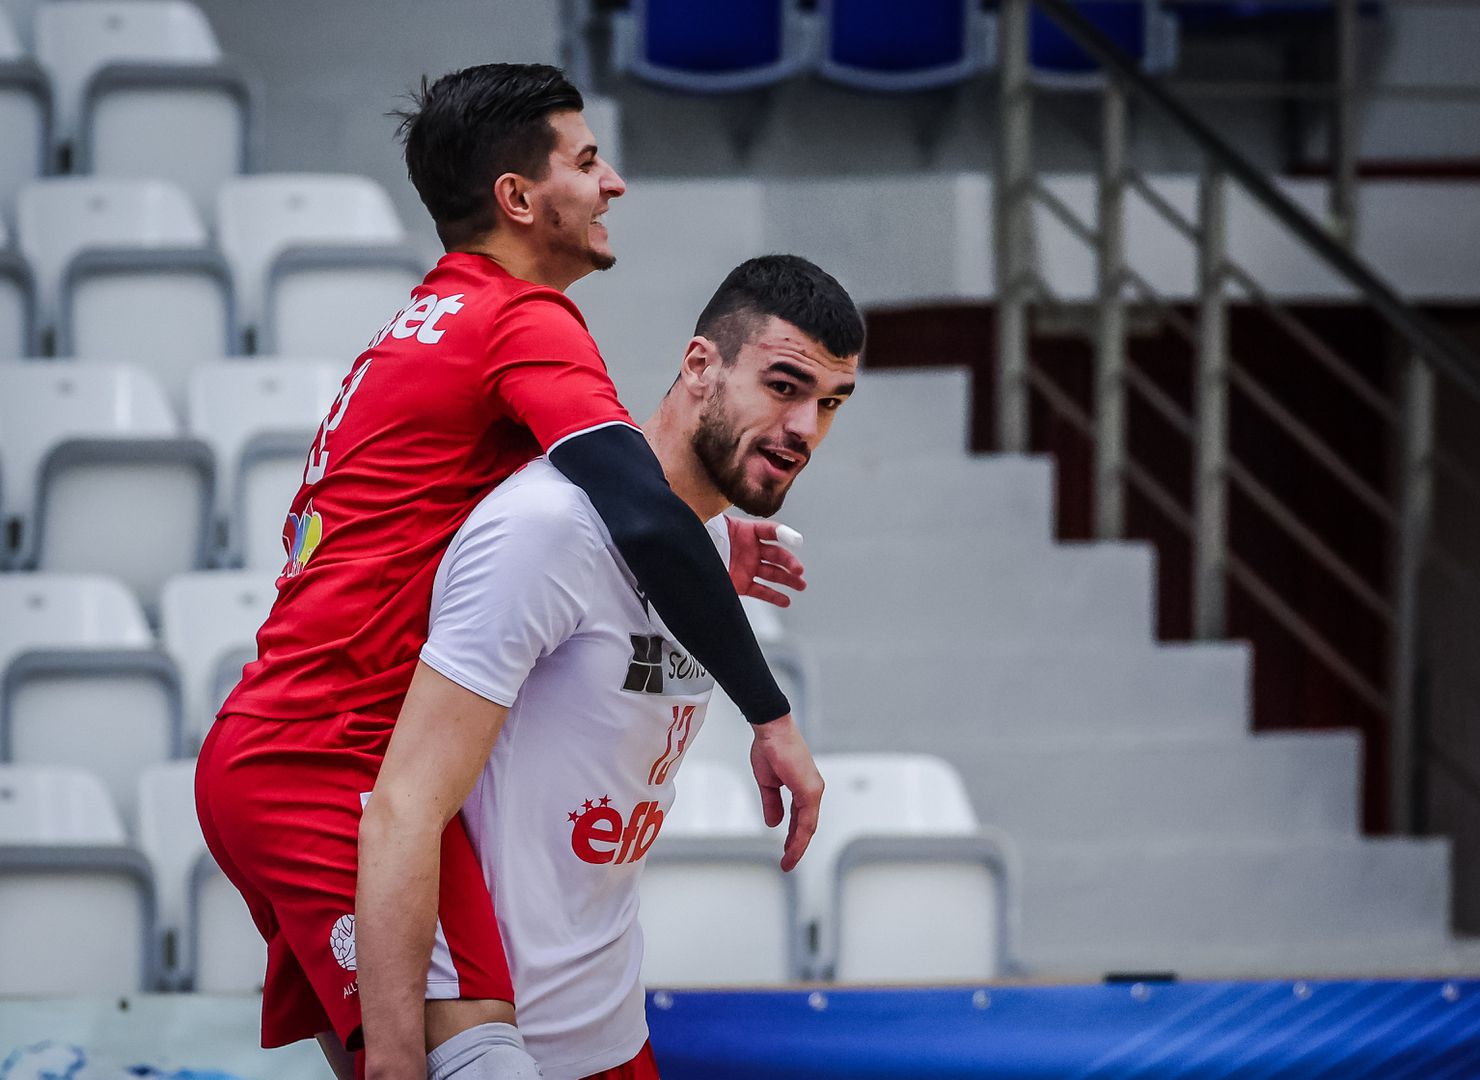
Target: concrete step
<point>1281,785</point>
<point>944,588</point>
<point>1129,904</point>
<point>1004,498</point>
<point>903,414</point>
<point>960,691</point>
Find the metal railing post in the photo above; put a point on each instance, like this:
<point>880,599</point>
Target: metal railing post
<point>1012,226</point>
<point>1344,135</point>
<point>1414,503</point>
<point>1110,323</point>
<point>1211,487</point>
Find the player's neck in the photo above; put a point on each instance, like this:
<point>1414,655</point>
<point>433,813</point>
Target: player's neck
<point>523,262</point>
<point>686,475</point>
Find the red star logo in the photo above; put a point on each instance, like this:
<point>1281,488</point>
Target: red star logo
<point>574,816</point>
<point>606,800</point>
<point>587,805</point>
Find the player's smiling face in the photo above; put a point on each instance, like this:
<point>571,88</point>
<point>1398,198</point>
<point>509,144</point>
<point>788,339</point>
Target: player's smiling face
<point>768,411</point>
<point>572,198</point>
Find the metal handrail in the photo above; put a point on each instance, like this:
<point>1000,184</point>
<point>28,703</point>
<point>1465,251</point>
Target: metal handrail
<point>1431,342</point>
<point>1409,416</point>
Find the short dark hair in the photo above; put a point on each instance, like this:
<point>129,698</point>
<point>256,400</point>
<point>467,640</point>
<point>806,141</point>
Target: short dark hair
<point>788,287</point>
<point>470,127</point>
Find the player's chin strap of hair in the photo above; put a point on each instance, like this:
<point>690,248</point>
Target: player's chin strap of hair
<point>673,558</point>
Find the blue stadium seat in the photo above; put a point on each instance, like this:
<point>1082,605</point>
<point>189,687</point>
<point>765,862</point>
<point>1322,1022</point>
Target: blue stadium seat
<point>1139,28</point>
<point>712,48</point>
<point>870,47</point>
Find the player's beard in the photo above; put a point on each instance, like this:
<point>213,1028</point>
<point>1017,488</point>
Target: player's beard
<point>564,244</point>
<point>717,446</point>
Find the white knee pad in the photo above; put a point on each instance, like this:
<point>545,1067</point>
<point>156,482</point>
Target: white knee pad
<point>486,1052</point>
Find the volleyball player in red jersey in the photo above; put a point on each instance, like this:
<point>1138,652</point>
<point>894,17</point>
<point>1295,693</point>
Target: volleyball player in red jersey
<point>487,366</point>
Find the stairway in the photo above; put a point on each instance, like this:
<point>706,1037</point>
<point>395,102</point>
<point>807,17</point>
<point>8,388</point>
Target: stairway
<point>1157,832</point>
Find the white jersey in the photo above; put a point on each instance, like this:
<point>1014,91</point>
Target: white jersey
<point>534,609</point>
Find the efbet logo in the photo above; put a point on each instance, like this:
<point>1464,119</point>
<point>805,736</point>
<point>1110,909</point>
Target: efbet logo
<point>301,536</point>
<point>599,835</point>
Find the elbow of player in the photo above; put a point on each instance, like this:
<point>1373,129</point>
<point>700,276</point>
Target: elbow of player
<point>389,823</point>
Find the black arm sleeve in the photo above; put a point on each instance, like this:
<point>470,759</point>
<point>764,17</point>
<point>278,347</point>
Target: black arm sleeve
<point>673,558</point>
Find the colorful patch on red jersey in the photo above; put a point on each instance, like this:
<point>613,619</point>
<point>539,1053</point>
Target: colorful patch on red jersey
<point>302,534</point>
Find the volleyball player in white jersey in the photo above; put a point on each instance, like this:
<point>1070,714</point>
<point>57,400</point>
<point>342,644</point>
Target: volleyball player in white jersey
<point>562,706</point>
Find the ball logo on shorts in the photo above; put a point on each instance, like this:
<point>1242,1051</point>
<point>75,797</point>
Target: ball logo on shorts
<point>342,941</point>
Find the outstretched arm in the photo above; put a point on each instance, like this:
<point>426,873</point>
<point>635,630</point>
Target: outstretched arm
<point>669,552</point>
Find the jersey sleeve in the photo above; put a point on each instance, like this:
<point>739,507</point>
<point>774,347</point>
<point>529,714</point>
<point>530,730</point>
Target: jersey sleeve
<point>515,587</point>
<point>544,369</point>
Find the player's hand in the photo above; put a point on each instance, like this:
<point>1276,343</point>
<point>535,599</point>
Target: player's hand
<point>780,759</point>
<point>757,555</point>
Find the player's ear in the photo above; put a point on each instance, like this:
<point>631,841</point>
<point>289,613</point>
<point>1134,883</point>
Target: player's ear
<point>701,365</point>
<point>511,196</point>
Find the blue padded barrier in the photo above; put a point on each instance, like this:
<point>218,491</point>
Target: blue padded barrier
<point>1388,1030</point>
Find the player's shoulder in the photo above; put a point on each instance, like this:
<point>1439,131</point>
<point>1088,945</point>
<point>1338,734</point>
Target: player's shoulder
<point>543,505</point>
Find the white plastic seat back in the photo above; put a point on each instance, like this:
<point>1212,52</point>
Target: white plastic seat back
<point>206,618</point>
<point>922,910</point>
<point>333,307</point>
<point>57,219</point>
<point>167,317</point>
<point>16,305</point>
<point>11,46</point>
<point>193,131</point>
<point>42,405</point>
<point>137,509</point>
<point>228,954</point>
<point>170,838</point>
<point>112,714</point>
<point>76,40</point>
<point>260,418</point>
<point>68,611</point>
<point>48,805</point>
<point>75,919</point>
<point>879,795</point>
<point>259,217</point>
<point>24,116</point>
<point>715,799</point>
<point>717,910</point>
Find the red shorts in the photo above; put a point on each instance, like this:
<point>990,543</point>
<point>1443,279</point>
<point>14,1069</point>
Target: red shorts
<point>643,1067</point>
<point>279,803</point>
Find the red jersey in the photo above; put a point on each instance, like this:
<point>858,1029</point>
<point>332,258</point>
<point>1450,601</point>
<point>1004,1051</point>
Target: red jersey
<point>480,373</point>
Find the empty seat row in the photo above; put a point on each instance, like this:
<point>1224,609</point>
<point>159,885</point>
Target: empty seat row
<point>124,88</point>
<point>98,473</point>
<point>863,44</point>
<point>902,883</point>
<point>303,263</point>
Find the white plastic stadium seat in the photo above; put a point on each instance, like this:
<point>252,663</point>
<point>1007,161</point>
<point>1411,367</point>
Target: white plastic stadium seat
<point>17,305</point>
<point>48,805</point>
<point>80,682</point>
<point>117,489</point>
<point>125,272</point>
<point>320,260</point>
<point>207,620</point>
<point>76,919</point>
<point>25,116</point>
<point>68,611</point>
<point>206,932</point>
<point>900,836</point>
<point>260,418</point>
<point>141,90</point>
<point>716,909</point>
